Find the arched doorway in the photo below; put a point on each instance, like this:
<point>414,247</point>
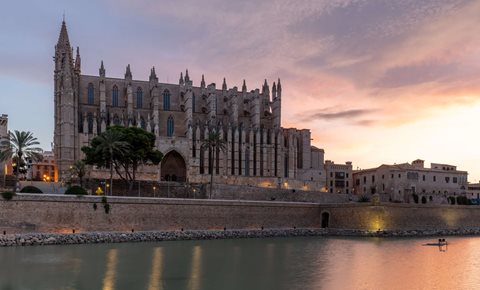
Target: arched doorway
<point>325,219</point>
<point>173,167</point>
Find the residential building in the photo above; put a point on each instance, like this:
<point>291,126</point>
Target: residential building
<point>399,181</point>
<point>339,177</point>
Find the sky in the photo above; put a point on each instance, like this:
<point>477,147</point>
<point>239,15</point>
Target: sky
<point>376,81</point>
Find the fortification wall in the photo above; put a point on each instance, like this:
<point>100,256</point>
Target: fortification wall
<point>43,213</point>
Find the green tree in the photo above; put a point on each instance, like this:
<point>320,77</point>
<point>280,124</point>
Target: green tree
<point>104,149</point>
<point>140,149</point>
<point>79,170</point>
<point>18,146</point>
<point>213,143</point>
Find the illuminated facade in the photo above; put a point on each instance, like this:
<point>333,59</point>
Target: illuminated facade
<point>399,181</point>
<point>181,115</point>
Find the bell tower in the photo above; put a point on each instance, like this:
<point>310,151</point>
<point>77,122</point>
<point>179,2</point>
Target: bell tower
<point>65,98</point>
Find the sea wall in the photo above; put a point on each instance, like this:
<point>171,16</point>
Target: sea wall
<point>63,214</point>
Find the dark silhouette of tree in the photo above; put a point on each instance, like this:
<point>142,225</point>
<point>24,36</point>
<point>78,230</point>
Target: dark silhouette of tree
<point>213,143</point>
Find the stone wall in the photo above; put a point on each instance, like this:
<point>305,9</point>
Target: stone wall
<point>62,214</point>
<point>41,213</point>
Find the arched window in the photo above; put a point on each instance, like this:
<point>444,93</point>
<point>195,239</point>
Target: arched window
<point>166,100</point>
<point>170,126</point>
<point>139,98</point>
<point>90,94</point>
<point>115,96</point>
<point>90,123</point>
<point>193,103</point>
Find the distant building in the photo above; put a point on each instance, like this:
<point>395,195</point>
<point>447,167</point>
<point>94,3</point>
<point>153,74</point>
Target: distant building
<point>44,170</point>
<point>399,181</point>
<point>473,190</point>
<point>339,177</point>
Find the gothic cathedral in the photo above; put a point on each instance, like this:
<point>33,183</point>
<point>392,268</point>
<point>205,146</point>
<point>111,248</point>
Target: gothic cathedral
<point>259,151</point>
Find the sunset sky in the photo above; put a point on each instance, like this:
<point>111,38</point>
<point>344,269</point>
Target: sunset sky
<point>377,81</point>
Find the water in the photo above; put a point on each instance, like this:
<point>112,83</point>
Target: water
<point>248,264</point>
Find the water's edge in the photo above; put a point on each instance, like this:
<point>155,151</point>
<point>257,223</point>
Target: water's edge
<point>35,239</point>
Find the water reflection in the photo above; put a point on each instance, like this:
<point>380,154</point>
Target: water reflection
<point>157,268</point>
<point>267,264</point>
<point>195,273</point>
<point>111,271</point>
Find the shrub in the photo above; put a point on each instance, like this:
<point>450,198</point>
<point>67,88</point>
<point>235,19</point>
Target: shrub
<point>463,200</point>
<point>8,195</point>
<point>363,198</point>
<point>31,189</point>
<point>77,190</point>
<point>451,200</point>
<point>415,197</point>
<point>424,199</point>
<point>106,207</point>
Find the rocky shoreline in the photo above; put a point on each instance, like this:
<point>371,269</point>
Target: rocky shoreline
<point>35,239</point>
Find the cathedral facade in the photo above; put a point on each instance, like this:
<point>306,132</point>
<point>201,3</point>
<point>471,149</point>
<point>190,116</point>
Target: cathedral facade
<point>260,152</point>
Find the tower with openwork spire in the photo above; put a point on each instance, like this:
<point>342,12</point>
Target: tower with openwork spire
<point>65,98</point>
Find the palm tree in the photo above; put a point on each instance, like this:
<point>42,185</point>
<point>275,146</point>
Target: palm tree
<point>213,143</point>
<point>78,169</point>
<point>18,146</point>
<point>111,144</point>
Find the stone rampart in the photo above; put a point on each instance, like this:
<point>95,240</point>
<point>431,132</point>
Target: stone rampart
<point>63,214</point>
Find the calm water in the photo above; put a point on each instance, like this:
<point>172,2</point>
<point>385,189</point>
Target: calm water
<point>276,264</point>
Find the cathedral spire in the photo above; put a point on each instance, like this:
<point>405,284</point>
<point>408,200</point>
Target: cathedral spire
<point>187,78</point>
<point>265,89</point>
<point>180,81</point>
<point>202,83</point>
<point>224,85</point>
<point>128,73</point>
<point>279,89</point>
<point>244,86</point>
<point>63,37</point>
<point>101,71</point>
<point>78,60</point>
<point>153,75</point>
<point>274,91</point>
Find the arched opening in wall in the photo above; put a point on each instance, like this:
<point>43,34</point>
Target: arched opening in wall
<point>173,167</point>
<point>325,219</point>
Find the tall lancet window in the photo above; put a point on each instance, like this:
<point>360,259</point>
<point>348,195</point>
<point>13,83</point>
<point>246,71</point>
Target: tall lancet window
<point>90,123</point>
<point>115,96</point>
<point>90,94</point>
<point>139,98</point>
<point>193,102</point>
<point>166,100</point>
<point>170,126</point>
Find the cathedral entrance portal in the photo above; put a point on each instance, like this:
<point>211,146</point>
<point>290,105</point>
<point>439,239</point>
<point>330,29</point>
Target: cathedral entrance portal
<point>173,167</point>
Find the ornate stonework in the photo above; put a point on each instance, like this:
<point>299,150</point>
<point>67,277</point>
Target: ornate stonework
<point>260,151</point>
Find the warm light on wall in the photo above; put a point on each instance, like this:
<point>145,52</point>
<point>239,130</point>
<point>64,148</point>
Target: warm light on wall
<point>376,223</point>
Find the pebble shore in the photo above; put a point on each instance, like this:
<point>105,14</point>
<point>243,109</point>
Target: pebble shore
<point>35,239</point>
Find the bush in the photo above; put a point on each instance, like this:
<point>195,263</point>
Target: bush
<point>424,200</point>
<point>8,195</point>
<point>76,190</point>
<point>31,189</point>
<point>415,197</point>
<point>451,200</point>
<point>463,200</point>
<point>363,198</point>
